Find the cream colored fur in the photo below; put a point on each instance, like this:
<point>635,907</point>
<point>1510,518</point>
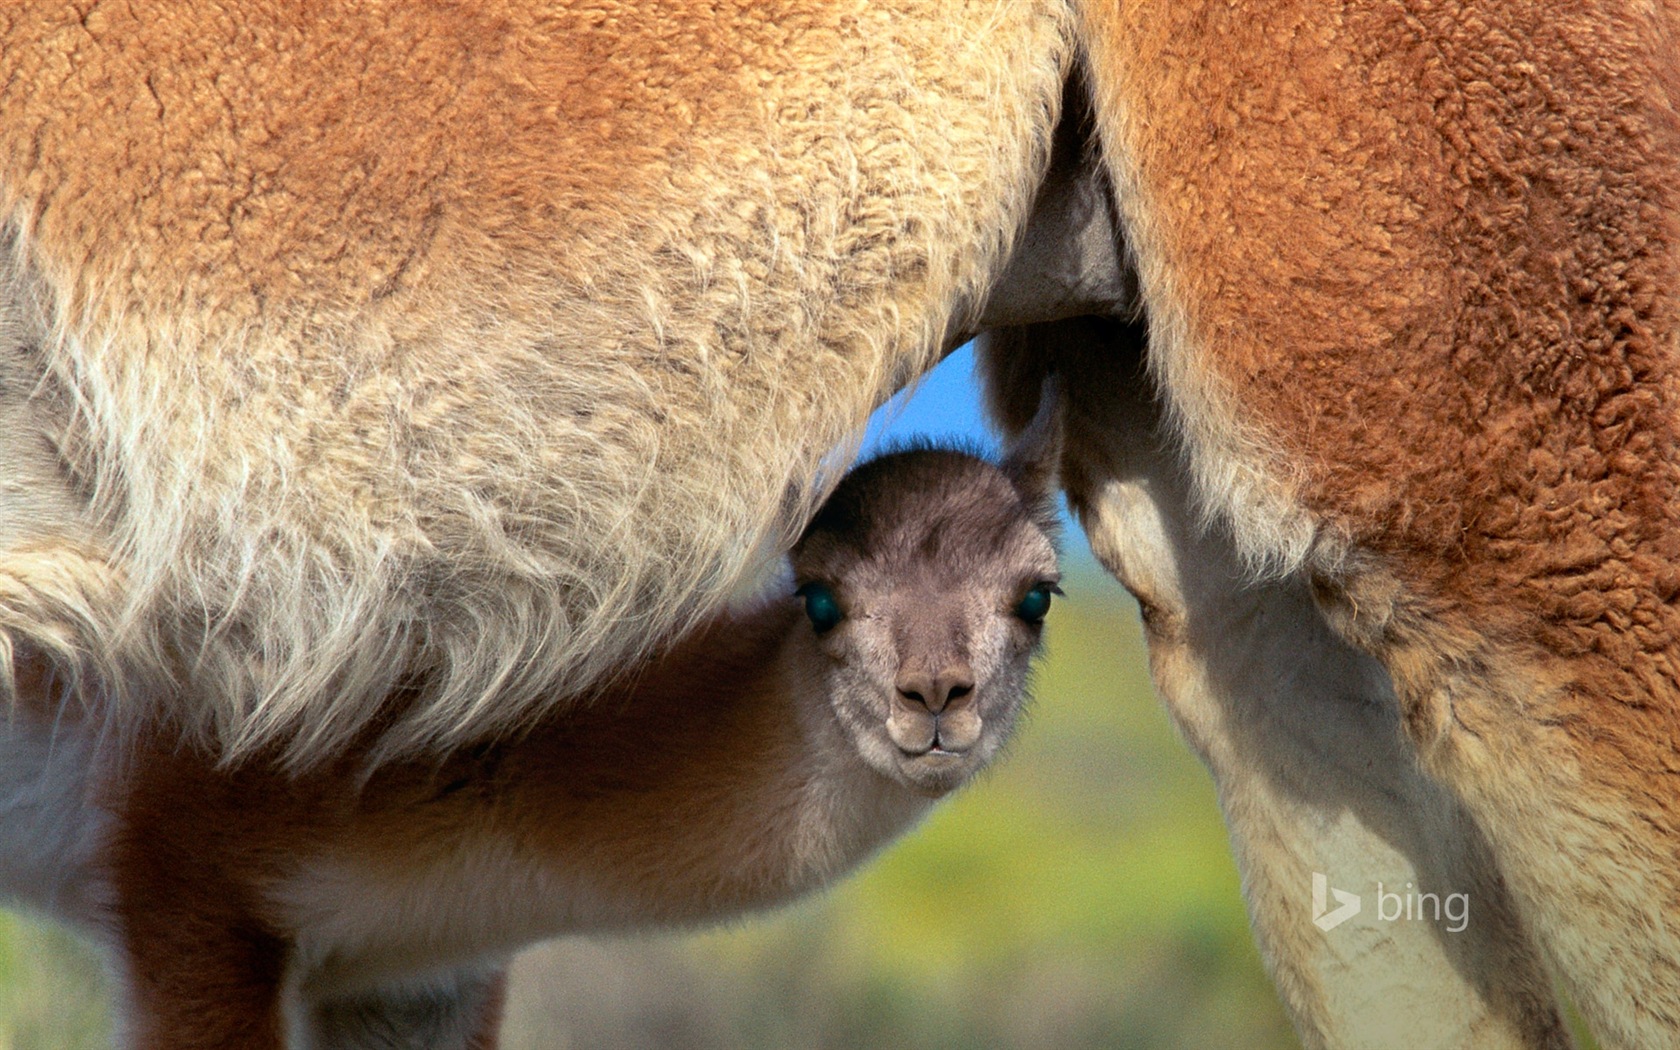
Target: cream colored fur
<point>1595,886</point>
<point>1302,735</point>
<point>530,454</point>
<point>58,586</point>
<point>1323,768</point>
<point>1356,386</point>
<point>300,405</point>
<point>1241,479</point>
<point>773,763</point>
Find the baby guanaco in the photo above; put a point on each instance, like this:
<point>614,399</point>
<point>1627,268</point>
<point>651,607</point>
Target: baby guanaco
<point>770,752</point>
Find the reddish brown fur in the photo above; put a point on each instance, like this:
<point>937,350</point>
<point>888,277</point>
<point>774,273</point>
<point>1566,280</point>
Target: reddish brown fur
<point>1420,253</point>
<point>411,324</point>
<point>698,790</point>
<point>631,789</point>
<point>384,149</point>
<point>1427,253</point>
<point>1478,377</point>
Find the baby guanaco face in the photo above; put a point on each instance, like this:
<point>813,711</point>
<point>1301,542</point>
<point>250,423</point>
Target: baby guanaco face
<point>925,579</point>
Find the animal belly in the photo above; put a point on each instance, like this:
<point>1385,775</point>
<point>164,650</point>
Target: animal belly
<point>495,354</point>
<point>360,927</point>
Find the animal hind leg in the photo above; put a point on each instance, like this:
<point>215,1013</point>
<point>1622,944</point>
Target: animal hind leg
<point>1302,735</point>
<point>462,1011</point>
<point>1416,325</point>
<point>195,979</point>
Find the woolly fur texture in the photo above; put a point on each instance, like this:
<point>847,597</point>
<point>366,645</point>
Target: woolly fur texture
<point>1410,274</point>
<point>475,349</point>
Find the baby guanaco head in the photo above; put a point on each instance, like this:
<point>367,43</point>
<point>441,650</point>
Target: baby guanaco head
<point>926,578</point>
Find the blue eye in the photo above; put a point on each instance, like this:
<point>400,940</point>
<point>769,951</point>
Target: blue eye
<point>1037,602</point>
<point>821,606</point>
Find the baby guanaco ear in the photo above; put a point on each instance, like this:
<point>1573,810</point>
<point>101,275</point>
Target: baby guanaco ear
<point>1034,458</point>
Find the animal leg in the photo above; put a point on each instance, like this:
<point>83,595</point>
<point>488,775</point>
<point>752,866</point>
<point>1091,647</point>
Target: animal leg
<point>186,861</point>
<point>1569,779</point>
<point>1417,329</point>
<point>1303,737</point>
<point>461,1012</point>
<point>194,982</point>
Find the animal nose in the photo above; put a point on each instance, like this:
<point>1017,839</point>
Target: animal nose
<point>939,690</point>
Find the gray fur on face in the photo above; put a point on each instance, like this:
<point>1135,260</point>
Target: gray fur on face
<point>929,552</point>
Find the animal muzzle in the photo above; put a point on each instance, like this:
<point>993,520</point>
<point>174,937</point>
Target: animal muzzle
<point>935,712</point>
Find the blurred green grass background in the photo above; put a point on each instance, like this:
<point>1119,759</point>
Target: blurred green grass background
<point>1081,895</point>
